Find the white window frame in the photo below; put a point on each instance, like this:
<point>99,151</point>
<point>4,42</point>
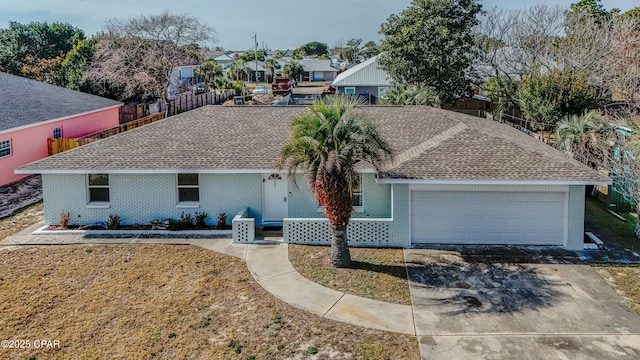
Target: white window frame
<point>59,131</point>
<point>357,208</point>
<point>5,148</point>
<point>187,204</point>
<point>350,90</point>
<point>98,204</point>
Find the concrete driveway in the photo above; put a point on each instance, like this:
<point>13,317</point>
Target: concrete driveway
<point>466,308</point>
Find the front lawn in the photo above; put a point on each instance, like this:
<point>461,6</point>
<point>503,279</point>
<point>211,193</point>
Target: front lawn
<point>164,302</point>
<point>625,280</point>
<point>21,220</point>
<point>378,274</point>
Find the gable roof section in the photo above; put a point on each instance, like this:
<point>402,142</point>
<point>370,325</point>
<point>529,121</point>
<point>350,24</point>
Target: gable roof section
<point>367,73</point>
<point>316,65</point>
<point>429,144</point>
<point>28,102</point>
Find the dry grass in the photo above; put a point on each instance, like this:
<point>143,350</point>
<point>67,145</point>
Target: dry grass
<point>164,302</point>
<point>626,281</point>
<point>21,220</point>
<point>376,273</point>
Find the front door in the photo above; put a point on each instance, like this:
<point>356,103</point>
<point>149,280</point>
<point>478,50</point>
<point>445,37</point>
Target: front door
<point>274,191</point>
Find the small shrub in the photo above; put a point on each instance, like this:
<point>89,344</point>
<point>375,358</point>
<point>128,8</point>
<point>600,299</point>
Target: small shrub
<point>312,350</point>
<point>64,219</point>
<point>114,222</point>
<point>184,223</point>
<point>201,218</point>
<point>89,250</point>
<point>172,335</point>
<point>187,221</point>
<point>277,319</point>
<point>222,221</point>
<point>173,224</point>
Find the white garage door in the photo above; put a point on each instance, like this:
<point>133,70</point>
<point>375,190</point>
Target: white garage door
<point>487,217</point>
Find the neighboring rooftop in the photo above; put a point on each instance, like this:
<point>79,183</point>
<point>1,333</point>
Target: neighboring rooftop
<point>27,102</point>
<point>428,143</point>
<point>316,65</point>
<point>367,73</point>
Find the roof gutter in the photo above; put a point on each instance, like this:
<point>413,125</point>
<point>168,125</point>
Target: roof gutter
<point>492,182</point>
<point>162,171</point>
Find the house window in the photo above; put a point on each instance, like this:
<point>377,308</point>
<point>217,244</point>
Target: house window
<point>357,194</point>
<point>5,148</point>
<point>349,90</point>
<point>98,185</point>
<point>188,188</point>
<point>57,133</point>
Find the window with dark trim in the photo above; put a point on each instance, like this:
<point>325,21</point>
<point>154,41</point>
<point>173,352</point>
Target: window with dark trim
<point>98,185</point>
<point>357,193</point>
<point>57,132</point>
<point>188,188</point>
<point>5,148</point>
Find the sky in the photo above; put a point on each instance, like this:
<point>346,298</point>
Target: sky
<point>279,24</point>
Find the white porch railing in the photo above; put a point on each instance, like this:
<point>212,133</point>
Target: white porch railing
<point>360,232</point>
<point>244,227</point>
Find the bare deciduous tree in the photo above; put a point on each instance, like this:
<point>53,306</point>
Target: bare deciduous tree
<point>135,57</point>
<point>606,48</point>
<point>514,42</point>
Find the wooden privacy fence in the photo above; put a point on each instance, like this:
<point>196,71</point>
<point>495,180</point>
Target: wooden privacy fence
<point>188,101</point>
<point>181,103</point>
<point>63,144</point>
<point>133,112</point>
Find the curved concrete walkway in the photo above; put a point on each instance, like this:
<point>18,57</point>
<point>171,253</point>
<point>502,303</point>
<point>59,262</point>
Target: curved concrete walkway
<point>269,264</point>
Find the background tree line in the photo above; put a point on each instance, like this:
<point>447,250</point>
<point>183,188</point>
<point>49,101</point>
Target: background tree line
<point>441,49</point>
<point>130,60</point>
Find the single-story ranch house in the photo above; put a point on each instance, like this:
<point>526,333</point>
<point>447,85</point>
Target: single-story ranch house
<point>454,179</point>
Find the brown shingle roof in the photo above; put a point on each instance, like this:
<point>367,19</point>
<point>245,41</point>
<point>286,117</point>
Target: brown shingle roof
<point>28,102</point>
<point>427,143</point>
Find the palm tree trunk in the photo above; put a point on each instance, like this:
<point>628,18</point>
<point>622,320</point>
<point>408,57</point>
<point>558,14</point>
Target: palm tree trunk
<point>340,256</point>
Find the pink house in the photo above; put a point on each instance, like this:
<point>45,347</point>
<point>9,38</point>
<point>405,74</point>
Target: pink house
<point>32,111</point>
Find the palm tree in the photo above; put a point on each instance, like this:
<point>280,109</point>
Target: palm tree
<point>238,70</point>
<point>271,65</point>
<point>409,95</point>
<point>585,138</point>
<point>326,142</point>
<point>210,69</point>
<point>293,70</point>
<point>221,83</point>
